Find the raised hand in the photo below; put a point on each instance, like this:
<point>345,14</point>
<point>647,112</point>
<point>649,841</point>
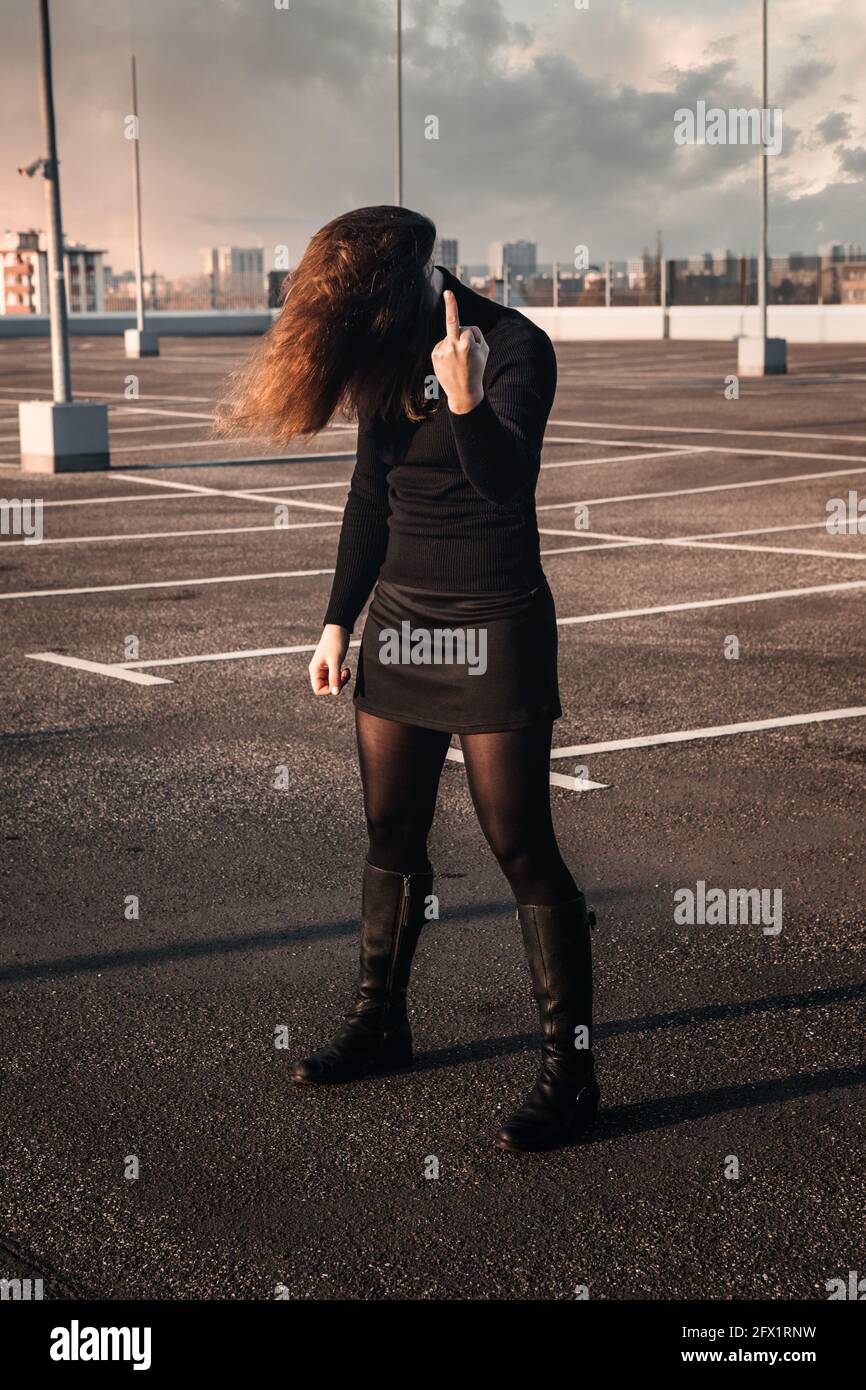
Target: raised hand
<point>459,361</point>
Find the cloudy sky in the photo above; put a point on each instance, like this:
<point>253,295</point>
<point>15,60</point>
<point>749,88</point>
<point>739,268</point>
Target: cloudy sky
<point>556,124</point>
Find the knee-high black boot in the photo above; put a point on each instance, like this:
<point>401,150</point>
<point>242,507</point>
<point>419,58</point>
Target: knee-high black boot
<point>564,1100</point>
<point>376,1035</point>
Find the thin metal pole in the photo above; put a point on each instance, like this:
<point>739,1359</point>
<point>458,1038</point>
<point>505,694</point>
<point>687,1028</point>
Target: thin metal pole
<point>136,210</point>
<point>762,253</point>
<point>398,115</point>
<point>608,271</point>
<point>60,374</point>
<point>820,279</point>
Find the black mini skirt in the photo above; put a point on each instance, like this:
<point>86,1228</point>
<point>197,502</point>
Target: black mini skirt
<point>460,663</point>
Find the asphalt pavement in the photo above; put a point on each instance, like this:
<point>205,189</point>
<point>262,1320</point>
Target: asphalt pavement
<point>183,835</point>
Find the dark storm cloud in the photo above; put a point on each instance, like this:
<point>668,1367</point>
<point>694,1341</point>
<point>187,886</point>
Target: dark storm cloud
<point>854,162</point>
<point>836,126</point>
<point>800,79</point>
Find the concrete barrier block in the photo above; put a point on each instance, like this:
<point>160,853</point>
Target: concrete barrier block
<point>68,438</point>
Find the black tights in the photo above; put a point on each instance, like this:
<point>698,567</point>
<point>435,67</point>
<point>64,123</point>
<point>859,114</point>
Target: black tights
<point>509,783</point>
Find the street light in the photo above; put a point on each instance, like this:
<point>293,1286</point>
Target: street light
<point>60,374</point>
<point>763,356</point>
<point>398,113</point>
<point>57,435</point>
<point>137,341</point>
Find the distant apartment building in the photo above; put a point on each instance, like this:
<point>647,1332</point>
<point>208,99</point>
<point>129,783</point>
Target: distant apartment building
<point>25,275</point>
<point>229,265</point>
<point>85,279</point>
<point>794,261</point>
<point>641,270</point>
<point>517,257</point>
<point>851,281</point>
<point>842,251</point>
<point>445,253</point>
<point>122,280</point>
<point>25,279</point>
<point>701,264</point>
<point>726,265</point>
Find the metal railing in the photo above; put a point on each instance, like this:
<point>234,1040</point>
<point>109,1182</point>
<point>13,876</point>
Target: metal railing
<point>697,281</point>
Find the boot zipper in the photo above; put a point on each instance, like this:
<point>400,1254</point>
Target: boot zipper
<point>402,919</point>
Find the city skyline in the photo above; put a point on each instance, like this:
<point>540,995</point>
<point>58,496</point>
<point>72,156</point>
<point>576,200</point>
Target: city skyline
<point>292,122</point>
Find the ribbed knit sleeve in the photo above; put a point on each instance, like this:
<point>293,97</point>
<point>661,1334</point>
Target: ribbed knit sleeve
<point>499,442</point>
<point>363,535</point>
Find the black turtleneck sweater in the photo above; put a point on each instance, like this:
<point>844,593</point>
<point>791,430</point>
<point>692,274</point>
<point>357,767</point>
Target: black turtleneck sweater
<point>448,505</point>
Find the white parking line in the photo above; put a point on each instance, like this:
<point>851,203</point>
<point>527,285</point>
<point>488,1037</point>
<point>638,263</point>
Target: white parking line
<point>130,429</point>
<point>243,655</point>
<point>260,461</point>
<point>738,451</point>
<point>693,491</point>
<point>118,396</point>
<point>180,444</point>
<point>614,443</point>
<point>613,541</point>
<point>576,784</point>
<point>165,584</point>
<point>705,429</point>
<point>701,535</point>
<point>118,497</point>
<point>134,671</point>
<point>170,535</point>
<point>248,495</point>
<point>680,452</point>
<point>749,726</point>
<point>765,597</point>
<point>138,409</point>
<point>764,530</point>
<point>261,496</point>
<point>151,448</point>
<point>301,487</point>
<point>101,668</point>
<point>557,779</point>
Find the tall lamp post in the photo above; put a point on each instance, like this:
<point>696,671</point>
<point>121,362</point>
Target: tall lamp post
<point>762,227</point>
<point>60,435</point>
<point>763,356</point>
<point>60,374</point>
<point>398,113</point>
<point>138,341</point>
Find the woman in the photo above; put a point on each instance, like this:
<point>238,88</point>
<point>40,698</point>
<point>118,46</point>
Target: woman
<point>452,393</point>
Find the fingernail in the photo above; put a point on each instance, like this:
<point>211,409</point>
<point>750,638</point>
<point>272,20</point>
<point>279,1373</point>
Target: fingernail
<point>335,690</point>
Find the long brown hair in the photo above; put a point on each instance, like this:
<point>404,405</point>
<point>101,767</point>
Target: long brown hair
<point>352,333</point>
